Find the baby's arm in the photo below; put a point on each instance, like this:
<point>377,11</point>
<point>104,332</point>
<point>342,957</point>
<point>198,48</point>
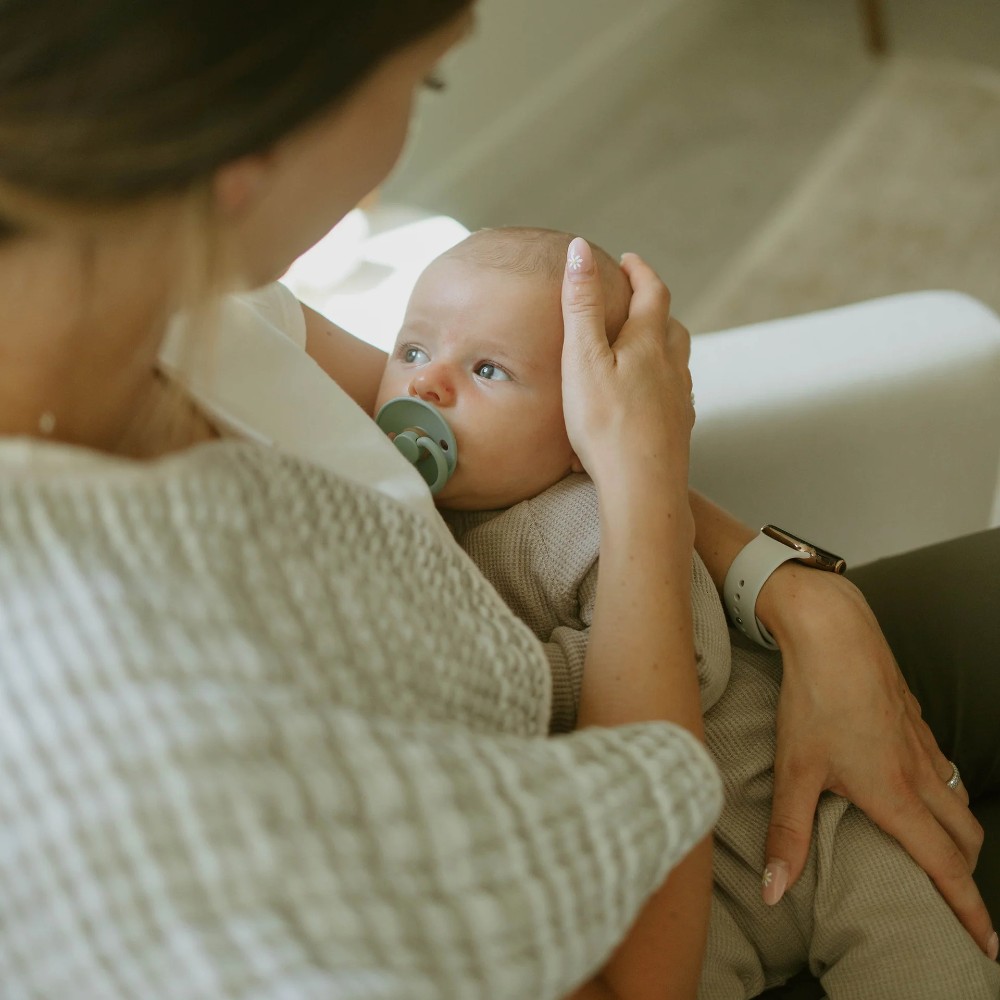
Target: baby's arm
<point>353,364</point>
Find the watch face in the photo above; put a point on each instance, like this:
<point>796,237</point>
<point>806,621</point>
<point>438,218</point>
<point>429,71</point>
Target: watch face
<point>813,555</point>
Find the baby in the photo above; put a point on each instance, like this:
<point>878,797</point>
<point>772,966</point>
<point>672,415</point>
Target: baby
<point>481,341</point>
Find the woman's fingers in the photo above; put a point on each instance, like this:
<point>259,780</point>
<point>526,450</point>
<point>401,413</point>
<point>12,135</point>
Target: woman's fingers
<point>583,306</point>
<point>627,405</point>
<point>908,818</point>
<point>586,355</point>
<point>650,296</point>
<point>649,312</point>
<point>793,809</point>
<point>950,808</point>
<point>941,765</point>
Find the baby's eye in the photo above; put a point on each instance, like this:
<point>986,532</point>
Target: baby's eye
<point>488,370</point>
<point>413,355</point>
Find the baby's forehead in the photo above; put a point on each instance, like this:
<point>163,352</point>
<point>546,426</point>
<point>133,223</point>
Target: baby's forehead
<point>527,252</point>
<point>487,290</point>
<point>507,273</point>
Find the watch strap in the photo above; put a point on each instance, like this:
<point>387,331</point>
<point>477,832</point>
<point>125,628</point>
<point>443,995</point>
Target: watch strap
<point>747,575</point>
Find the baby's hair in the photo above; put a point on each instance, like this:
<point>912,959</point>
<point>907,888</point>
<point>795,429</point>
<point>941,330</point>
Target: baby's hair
<point>530,251</point>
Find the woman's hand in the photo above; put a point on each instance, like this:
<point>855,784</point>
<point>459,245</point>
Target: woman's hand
<point>848,723</point>
<point>628,406</point>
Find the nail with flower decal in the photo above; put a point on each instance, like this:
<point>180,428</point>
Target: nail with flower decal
<point>774,881</point>
<point>579,260</point>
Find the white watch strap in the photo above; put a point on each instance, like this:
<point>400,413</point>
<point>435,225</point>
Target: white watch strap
<point>748,573</point>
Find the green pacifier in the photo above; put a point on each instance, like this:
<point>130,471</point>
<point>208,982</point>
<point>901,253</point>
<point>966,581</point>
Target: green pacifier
<point>422,436</point>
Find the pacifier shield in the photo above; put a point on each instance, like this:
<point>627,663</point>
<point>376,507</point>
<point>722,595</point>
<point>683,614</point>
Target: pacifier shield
<point>422,436</point>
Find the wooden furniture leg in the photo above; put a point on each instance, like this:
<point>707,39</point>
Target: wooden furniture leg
<point>873,19</point>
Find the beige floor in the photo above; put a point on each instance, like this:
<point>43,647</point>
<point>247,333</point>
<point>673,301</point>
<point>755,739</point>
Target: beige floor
<point>708,146</point>
<point>904,197</point>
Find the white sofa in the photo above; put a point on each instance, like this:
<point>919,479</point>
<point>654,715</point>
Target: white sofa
<point>873,428</point>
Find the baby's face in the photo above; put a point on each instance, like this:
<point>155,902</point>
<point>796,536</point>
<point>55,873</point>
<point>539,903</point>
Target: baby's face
<point>484,347</point>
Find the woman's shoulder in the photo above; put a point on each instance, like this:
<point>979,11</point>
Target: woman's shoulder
<point>276,305</point>
<point>256,381</point>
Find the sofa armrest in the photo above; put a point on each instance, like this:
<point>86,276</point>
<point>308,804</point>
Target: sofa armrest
<point>873,428</point>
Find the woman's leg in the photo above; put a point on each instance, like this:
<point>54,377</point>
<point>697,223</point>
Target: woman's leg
<point>940,610</point>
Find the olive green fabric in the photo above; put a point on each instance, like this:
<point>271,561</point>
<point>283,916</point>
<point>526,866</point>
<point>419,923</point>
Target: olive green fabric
<point>940,610</point>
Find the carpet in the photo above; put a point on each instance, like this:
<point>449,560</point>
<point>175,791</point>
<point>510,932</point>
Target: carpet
<point>905,196</point>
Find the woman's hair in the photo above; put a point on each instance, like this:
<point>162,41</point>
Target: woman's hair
<point>107,103</point>
<point>111,101</point>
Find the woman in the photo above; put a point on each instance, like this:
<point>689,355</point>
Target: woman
<point>265,730</point>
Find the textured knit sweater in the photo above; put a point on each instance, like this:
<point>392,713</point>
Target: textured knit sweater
<point>262,734</point>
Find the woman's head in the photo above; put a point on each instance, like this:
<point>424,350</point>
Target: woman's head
<point>156,153</point>
<point>116,101</point>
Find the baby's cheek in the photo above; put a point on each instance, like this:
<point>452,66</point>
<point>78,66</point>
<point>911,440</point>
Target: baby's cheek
<point>387,388</point>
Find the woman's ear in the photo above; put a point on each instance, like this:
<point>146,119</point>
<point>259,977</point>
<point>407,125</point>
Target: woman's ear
<point>237,185</point>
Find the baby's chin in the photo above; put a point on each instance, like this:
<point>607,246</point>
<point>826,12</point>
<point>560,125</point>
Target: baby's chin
<point>459,495</point>
<point>462,501</point>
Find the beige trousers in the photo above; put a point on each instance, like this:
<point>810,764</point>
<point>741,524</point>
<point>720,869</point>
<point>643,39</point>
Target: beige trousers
<point>863,917</point>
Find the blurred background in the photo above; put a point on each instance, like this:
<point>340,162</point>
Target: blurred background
<point>759,153</point>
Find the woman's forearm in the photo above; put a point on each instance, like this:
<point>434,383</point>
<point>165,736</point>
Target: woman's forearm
<point>640,666</point>
<point>718,536</point>
<point>640,654</point>
<point>662,954</point>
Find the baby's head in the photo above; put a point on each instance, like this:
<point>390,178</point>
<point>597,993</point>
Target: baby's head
<point>482,341</point>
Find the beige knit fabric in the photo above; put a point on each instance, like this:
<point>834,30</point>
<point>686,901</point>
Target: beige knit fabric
<point>262,735</point>
<point>542,557</point>
<point>863,916</point>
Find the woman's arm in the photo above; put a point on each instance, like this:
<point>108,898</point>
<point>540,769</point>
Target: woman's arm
<point>628,409</point>
<point>848,723</point>
<point>354,365</point>
<point>640,665</point>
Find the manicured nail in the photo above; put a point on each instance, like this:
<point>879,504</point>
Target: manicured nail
<point>579,260</point>
<point>774,881</point>
<point>993,946</point>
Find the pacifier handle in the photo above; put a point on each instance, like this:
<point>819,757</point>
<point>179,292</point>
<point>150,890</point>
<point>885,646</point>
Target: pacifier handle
<point>411,441</point>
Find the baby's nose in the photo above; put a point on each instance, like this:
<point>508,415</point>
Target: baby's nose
<point>433,387</point>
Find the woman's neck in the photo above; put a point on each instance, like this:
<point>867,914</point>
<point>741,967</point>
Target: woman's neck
<point>82,324</point>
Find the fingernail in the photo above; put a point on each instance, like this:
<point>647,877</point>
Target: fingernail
<point>579,260</point>
<point>993,946</point>
<point>774,881</point>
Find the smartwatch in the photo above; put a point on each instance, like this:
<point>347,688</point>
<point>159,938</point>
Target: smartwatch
<point>755,563</point>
